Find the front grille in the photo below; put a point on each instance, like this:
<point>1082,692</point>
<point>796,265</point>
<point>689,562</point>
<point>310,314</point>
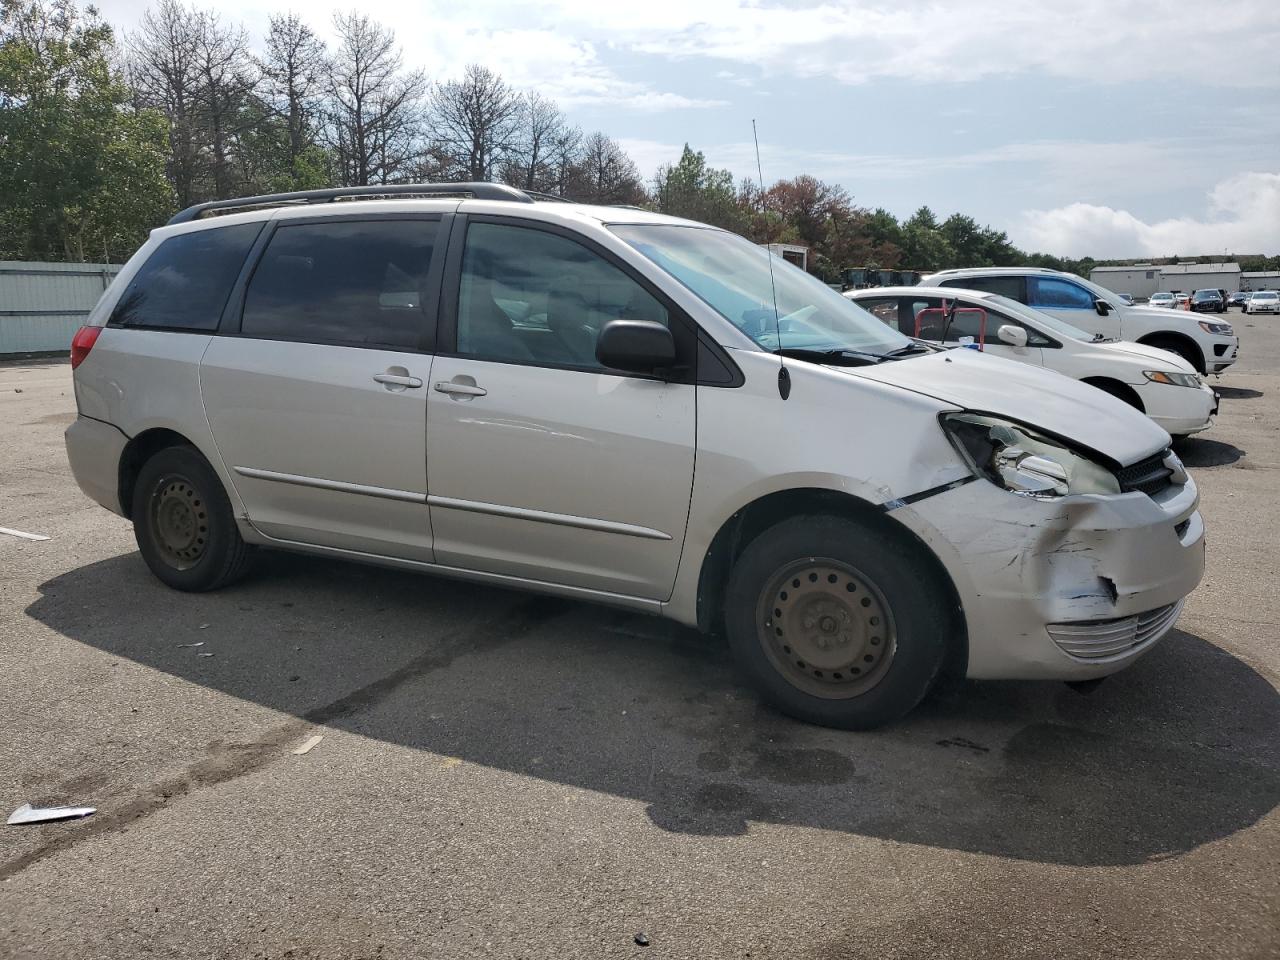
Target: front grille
<point>1149,476</point>
<point>1100,639</point>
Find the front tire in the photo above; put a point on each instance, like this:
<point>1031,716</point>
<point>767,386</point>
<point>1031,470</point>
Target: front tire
<point>836,624</point>
<point>183,523</point>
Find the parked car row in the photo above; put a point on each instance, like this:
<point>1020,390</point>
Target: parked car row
<point>468,380</point>
<point>1262,301</point>
<point>1159,383</point>
<point>1209,346</point>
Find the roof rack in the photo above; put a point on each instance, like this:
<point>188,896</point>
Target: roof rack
<point>464,191</point>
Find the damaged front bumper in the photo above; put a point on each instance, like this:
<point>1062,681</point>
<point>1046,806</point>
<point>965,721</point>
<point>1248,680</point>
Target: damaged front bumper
<point>1071,588</point>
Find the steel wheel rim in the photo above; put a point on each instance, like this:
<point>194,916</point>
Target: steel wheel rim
<point>179,522</point>
<point>826,628</point>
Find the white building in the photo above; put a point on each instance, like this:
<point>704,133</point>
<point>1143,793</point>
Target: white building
<point>791,252</point>
<point>1189,277</point>
<point>1260,280</point>
<point>1140,281</point>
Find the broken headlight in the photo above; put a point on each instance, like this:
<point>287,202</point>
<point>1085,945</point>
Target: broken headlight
<point>1023,461</point>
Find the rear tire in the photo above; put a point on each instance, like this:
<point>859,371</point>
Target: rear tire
<point>836,624</point>
<point>183,523</point>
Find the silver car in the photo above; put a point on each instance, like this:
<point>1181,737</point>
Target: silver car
<point>622,407</point>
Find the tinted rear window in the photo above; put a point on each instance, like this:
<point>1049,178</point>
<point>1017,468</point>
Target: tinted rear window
<point>1007,286</point>
<point>185,283</point>
<point>360,282</point>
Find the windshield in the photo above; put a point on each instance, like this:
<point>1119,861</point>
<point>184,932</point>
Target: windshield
<point>1162,296</point>
<point>1207,295</point>
<point>1044,321</point>
<point>732,276</point>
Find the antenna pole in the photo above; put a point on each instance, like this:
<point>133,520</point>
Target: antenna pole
<point>784,378</point>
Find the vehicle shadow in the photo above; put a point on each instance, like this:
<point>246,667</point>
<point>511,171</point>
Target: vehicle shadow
<point>1203,452</point>
<point>1178,751</point>
<point>1238,393</point>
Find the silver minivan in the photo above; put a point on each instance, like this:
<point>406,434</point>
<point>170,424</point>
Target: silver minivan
<point>613,405</point>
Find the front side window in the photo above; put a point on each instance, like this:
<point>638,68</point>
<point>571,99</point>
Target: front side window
<point>777,305</point>
<point>360,283</point>
<point>1058,294</point>
<point>185,283</point>
<point>529,296</point>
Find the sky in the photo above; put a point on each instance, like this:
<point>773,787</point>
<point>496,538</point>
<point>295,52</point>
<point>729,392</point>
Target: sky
<point>1110,128</point>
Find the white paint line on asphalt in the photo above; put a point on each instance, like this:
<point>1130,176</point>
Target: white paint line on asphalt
<point>22,535</point>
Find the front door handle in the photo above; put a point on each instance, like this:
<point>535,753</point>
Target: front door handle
<point>397,380</point>
<point>461,389</point>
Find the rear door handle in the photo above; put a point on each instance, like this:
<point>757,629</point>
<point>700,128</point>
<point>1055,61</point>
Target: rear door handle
<point>461,389</point>
<point>397,380</point>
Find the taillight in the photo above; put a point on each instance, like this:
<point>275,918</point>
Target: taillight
<point>82,343</point>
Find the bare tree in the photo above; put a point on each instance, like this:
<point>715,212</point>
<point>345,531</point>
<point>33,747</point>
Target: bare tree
<point>374,111</point>
<point>474,122</point>
<point>164,71</point>
<point>226,81</point>
<point>604,173</point>
<point>294,70</point>
<point>538,142</point>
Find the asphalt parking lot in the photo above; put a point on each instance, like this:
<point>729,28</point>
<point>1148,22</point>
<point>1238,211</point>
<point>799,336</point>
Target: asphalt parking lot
<point>508,776</point>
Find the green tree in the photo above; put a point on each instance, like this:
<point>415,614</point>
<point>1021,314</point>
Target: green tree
<point>924,246</point>
<point>81,171</point>
<point>691,189</point>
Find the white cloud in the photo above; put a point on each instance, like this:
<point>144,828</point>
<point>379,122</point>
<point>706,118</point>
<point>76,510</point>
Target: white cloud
<point>1114,41</point>
<point>1243,216</point>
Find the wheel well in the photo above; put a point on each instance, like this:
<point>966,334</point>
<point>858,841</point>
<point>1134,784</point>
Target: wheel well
<point>136,453</point>
<point>1118,389</point>
<point>1180,344</point>
<point>759,515</point>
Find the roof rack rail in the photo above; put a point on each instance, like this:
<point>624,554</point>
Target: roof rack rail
<point>465,191</point>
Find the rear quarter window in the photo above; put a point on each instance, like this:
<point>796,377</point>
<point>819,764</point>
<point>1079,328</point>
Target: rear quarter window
<point>185,283</point>
<point>1012,287</point>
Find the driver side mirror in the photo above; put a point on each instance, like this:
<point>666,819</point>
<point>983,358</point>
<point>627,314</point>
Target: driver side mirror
<point>1102,307</point>
<point>636,346</point>
<point>1012,334</point>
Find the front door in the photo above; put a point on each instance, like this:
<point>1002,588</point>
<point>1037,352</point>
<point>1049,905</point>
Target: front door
<point>318,402</point>
<point>540,463</point>
<point>1071,303</point>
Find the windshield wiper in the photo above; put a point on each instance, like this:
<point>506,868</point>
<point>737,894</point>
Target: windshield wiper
<point>851,358</point>
<point>908,350</point>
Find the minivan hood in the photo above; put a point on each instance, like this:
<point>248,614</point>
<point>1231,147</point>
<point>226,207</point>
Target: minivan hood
<point>1037,397</point>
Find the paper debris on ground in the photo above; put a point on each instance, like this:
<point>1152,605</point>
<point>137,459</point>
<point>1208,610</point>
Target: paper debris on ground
<point>308,745</point>
<point>190,645</point>
<point>29,814</point>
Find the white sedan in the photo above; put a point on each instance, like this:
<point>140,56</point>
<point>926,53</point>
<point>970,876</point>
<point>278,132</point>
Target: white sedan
<point>1163,300</point>
<point>1160,384</point>
<point>1263,301</point>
